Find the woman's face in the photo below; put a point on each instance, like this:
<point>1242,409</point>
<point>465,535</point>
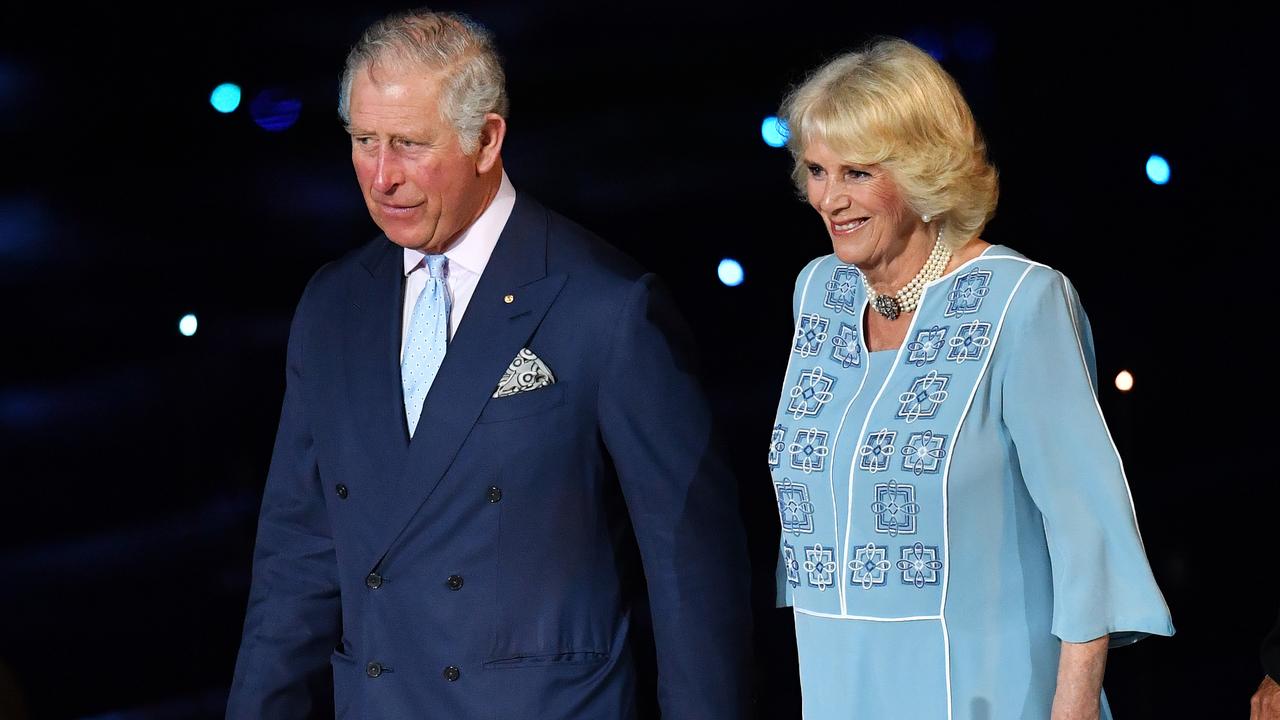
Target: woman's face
<point>864,212</point>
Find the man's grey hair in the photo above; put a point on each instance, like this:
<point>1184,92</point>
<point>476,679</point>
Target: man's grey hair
<point>451,44</point>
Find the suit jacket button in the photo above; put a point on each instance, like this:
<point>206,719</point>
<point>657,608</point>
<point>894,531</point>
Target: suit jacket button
<point>454,582</point>
<point>373,669</point>
<point>494,494</point>
<point>341,490</point>
<point>373,581</point>
<point>452,673</point>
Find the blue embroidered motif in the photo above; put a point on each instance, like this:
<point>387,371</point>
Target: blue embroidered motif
<point>970,340</point>
<point>791,564</point>
<point>895,508</point>
<point>777,446</point>
<point>924,349</point>
<point>924,452</point>
<point>794,506</point>
<point>810,393</point>
<point>967,292</point>
<point>820,564</point>
<point>809,450</point>
<point>870,566</point>
<point>926,394</point>
<point>920,565</point>
<point>842,290</point>
<point>844,346</point>
<point>811,332</point>
<point>876,450</point>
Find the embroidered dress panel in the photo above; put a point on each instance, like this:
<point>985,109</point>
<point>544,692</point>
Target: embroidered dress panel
<point>921,492</point>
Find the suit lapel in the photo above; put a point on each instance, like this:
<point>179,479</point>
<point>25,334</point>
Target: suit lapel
<point>372,350</point>
<point>492,331</point>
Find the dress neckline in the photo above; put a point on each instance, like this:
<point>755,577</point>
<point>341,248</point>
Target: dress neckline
<point>935,281</point>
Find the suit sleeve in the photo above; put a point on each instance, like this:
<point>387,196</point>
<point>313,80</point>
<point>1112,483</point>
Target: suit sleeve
<point>293,619</point>
<point>1102,583</point>
<point>683,503</point>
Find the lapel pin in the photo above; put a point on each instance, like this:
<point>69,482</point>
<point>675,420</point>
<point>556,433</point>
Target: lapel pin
<point>509,299</point>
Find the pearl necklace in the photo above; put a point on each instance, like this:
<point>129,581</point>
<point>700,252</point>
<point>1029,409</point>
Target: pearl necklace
<point>906,299</point>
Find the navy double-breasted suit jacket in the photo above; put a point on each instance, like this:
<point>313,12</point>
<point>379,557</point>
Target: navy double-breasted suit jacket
<point>475,572</point>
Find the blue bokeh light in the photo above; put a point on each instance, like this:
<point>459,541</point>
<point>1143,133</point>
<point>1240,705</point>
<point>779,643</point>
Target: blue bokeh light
<point>1158,170</point>
<point>974,42</point>
<point>274,111</point>
<point>774,131</point>
<point>930,41</point>
<point>225,98</point>
<point>730,272</point>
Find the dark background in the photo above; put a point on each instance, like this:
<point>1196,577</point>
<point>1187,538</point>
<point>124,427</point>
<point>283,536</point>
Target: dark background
<point>132,458</point>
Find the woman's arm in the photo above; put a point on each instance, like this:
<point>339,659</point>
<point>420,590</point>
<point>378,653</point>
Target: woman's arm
<point>1080,669</point>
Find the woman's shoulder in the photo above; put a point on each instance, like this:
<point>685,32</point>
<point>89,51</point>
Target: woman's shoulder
<point>1028,290</point>
<point>1034,276</point>
<point>1042,297</point>
<point>820,269</point>
<point>822,260</point>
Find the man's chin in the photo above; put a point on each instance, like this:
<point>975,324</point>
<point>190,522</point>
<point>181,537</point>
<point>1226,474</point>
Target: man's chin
<point>407,243</point>
<point>404,237</point>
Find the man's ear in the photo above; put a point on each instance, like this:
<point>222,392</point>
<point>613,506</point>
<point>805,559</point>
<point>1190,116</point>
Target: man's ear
<point>491,137</point>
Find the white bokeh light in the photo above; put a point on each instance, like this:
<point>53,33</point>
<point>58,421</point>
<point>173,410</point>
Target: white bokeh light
<point>187,325</point>
<point>1124,381</point>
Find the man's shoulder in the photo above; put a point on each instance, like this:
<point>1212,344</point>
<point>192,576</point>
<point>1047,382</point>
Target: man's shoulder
<point>361,261</point>
<point>332,285</point>
<point>575,250</point>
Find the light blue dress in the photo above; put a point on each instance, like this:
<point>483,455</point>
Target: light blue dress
<point>952,509</point>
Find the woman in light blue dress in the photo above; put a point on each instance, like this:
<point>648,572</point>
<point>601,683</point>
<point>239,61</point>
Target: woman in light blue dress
<point>958,539</point>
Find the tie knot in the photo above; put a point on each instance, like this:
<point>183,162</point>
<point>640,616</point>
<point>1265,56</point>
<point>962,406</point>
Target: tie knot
<point>435,265</point>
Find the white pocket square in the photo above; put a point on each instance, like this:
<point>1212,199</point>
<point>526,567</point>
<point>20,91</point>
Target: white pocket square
<point>527,372</point>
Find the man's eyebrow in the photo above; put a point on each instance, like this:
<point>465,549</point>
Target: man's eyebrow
<point>353,130</point>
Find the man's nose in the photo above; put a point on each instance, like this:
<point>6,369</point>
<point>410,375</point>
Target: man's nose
<point>390,173</point>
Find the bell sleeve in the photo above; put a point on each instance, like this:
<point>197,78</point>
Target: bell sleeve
<point>1102,582</point>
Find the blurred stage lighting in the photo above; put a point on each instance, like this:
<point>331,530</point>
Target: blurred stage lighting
<point>730,272</point>
<point>225,98</point>
<point>774,131</point>
<point>1124,381</point>
<point>1158,170</point>
<point>187,325</point>
<point>974,42</point>
<point>930,41</point>
<point>274,111</point>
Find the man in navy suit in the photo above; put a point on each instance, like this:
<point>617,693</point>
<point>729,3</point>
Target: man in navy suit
<point>459,552</point>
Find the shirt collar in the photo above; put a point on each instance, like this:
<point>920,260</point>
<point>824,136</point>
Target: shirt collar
<point>473,247</point>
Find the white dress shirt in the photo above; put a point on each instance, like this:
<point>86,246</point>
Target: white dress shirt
<point>468,257</point>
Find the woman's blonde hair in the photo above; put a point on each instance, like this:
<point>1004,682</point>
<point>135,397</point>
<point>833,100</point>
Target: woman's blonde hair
<point>892,105</point>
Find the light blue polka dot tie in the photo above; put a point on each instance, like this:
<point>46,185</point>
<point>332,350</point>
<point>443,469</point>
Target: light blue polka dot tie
<point>428,337</point>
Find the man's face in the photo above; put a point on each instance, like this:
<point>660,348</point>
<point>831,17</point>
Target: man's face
<point>418,185</point>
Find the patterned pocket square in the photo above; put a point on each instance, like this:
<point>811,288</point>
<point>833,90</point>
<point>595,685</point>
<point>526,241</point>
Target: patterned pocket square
<point>527,372</point>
